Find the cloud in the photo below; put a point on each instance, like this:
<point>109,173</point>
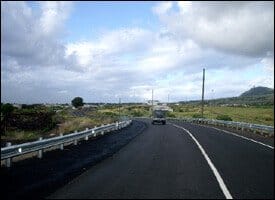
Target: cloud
<point>231,27</point>
<point>53,16</point>
<point>109,48</point>
<point>38,66</point>
<point>33,40</point>
<point>162,7</point>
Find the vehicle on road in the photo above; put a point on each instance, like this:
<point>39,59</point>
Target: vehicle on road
<point>159,116</point>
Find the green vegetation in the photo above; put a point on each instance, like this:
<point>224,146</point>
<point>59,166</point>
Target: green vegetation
<point>224,117</point>
<point>6,110</point>
<point>196,115</point>
<point>77,102</point>
<point>255,91</point>
<point>253,114</point>
<point>170,114</point>
<point>258,96</point>
<point>34,121</point>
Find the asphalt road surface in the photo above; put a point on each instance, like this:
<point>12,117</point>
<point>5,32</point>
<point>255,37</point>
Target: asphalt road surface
<point>35,178</point>
<point>180,160</point>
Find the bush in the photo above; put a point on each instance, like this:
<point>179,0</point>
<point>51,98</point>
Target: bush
<point>197,115</point>
<point>33,121</point>
<point>224,117</point>
<point>6,109</point>
<point>268,118</point>
<point>110,114</point>
<point>136,113</point>
<point>170,114</point>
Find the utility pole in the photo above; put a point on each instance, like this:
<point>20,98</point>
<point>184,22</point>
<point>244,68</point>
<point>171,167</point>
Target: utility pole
<point>202,99</point>
<point>212,101</point>
<point>152,100</point>
<point>119,109</point>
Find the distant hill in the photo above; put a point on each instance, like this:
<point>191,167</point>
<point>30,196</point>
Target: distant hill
<point>255,91</point>
<point>258,96</point>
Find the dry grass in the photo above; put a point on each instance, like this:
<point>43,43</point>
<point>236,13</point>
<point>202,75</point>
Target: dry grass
<point>255,115</point>
<point>24,136</point>
<point>76,124</point>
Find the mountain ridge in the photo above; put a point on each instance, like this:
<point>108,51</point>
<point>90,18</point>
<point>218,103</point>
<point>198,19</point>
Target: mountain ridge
<point>255,91</point>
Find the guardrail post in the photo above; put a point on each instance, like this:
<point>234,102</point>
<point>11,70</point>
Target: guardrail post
<point>94,132</point>
<point>8,160</point>
<point>39,155</point>
<point>86,137</point>
<point>61,145</point>
<point>75,141</point>
<point>116,125</point>
<point>114,128</point>
<point>102,132</point>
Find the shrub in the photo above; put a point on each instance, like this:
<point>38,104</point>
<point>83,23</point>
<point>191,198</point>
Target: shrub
<point>268,118</point>
<point>170,114</point>
<point>33,120</point>
<point>110,114</point>
<point>197,115</point>
<point>224,117</point>
<point>136,113</point>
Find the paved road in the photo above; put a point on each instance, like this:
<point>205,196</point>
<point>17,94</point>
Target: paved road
<point>35,178</point>
<point>166,161</point>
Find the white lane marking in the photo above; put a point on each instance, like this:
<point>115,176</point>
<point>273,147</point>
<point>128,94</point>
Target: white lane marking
<point>239,136</point>
<point>213,168</point>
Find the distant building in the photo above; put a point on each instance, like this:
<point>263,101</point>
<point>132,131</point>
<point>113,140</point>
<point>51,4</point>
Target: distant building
<point>89,106</point>
<point>47,105</point>
<point>19,106</point>
<point>155,102</point>
<point>163,107</point>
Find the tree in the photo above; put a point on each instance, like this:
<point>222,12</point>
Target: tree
<point>6,110</point>
<point>77,102</point>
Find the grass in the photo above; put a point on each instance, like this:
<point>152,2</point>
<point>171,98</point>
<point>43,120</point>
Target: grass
<point>255,115</point>
<point>104,115</point>
<point>17,135</point>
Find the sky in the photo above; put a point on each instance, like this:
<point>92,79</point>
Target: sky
<point>52,51</point>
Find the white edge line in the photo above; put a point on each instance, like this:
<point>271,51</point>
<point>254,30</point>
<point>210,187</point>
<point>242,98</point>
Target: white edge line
<point>213,168</point>
<point>240,136</point>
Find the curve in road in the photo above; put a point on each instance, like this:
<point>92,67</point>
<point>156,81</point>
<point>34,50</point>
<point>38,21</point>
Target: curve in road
<point>164,162</point>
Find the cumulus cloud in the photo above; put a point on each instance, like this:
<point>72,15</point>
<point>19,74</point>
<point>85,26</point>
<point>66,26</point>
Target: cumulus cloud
<point>38,66</point>
<point>237,27</point>
<point>162,7</point>
<point>33,40</point>
<point>53,16</point>
<point>108,49</point>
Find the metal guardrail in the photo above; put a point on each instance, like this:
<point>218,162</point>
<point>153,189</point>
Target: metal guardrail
<point>16,150</point>
<point>237,125</point>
